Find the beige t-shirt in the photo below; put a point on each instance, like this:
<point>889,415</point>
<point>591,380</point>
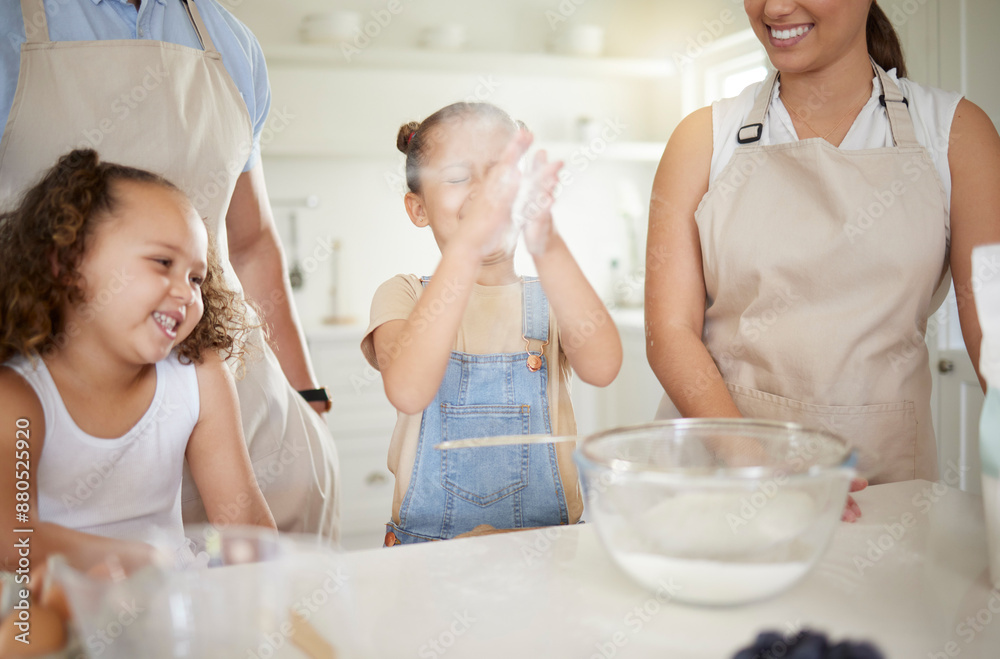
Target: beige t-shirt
<point>491,324</point>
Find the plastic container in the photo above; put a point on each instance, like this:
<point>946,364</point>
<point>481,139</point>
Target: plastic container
<point>986,273</point>
<point>240,592</point>
<point>989,452</point>
<point>715,511</point>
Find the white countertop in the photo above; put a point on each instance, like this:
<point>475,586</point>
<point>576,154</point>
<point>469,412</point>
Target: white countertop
<point>556,593</point>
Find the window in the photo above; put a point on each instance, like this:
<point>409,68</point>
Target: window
<point>723,69</point>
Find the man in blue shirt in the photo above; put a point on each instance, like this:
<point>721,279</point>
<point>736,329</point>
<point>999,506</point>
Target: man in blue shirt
<point>196,134</point>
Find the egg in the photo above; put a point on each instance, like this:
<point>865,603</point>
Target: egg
<point>47,634</point>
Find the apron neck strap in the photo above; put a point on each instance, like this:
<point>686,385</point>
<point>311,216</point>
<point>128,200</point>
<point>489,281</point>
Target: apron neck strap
<point>892,99</point>
<point>896,109</point>
<point>754,127</point>
<point>199,25</point>
<point>36,26</point>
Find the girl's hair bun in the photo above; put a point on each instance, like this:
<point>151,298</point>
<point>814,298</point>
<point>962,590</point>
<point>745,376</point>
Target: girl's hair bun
<point>414,138</point>
<point>405,134</point>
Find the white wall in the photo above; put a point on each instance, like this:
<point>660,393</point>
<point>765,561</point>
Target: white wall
<point>346,117</point>
<point>358,209</point>
<point>635,28</point>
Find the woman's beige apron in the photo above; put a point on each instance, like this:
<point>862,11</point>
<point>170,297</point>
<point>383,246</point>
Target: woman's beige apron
<point>175,111</point>
<point>821,269</point>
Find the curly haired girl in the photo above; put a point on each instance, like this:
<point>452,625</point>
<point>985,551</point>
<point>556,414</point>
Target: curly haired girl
<point>113,312</point>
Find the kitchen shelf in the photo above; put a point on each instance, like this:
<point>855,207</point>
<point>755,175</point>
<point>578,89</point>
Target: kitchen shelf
<point>649,152</point>
<point>534,64</point>
<point>615,151</point>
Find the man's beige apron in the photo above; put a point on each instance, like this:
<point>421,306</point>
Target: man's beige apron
<point>175,111</point>
<point>822,267</point>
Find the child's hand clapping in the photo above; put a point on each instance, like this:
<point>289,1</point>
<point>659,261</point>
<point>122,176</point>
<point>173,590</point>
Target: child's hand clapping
<point>490,208</point>
<point>533,208</point>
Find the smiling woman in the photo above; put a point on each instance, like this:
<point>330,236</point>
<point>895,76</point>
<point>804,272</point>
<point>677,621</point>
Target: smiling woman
<point>847,193</point>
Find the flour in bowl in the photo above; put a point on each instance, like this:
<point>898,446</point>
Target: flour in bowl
<point>705,525</point>
<point>710,582</point>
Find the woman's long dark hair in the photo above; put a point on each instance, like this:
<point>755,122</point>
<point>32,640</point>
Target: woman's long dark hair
<point>883,42</point>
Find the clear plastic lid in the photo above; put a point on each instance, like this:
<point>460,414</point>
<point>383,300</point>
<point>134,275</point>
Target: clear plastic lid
<point>986,288</point>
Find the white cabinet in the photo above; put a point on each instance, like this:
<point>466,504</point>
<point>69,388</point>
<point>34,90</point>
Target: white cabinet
<point>634,395</point>
<point>953,45</point>
<point>361,422</point>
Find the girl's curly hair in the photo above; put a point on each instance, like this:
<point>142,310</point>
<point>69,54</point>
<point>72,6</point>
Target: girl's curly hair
<point>43,242</point>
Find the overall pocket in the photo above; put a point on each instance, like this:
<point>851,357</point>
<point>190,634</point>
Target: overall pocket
<point>484,474</point>
<point>885,434</point>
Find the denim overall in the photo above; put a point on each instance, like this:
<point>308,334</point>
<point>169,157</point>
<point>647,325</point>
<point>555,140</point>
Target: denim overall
<point>515,486</point>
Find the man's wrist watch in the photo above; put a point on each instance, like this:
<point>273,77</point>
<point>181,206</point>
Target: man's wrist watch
<point>320,395</point>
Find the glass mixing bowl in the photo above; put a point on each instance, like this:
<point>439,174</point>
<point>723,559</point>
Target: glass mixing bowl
<point>228,592</point>
<point>715,511</point>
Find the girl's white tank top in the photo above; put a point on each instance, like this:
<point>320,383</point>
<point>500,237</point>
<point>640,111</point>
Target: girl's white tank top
<point>128,487</point>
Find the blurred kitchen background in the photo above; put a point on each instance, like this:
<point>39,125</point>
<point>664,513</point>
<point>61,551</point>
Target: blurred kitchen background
<point>601,83</point>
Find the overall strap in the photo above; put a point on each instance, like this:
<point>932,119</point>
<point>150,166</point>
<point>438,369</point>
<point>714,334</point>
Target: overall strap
<point>535,314</point>
<point>36,26</point>
<point>896,109</point>
<point>199,26</point>
<point>754,128</point>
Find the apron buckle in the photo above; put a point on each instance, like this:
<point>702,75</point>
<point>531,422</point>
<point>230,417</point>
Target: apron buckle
<point>756,136</point>
<point>904,100</point>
